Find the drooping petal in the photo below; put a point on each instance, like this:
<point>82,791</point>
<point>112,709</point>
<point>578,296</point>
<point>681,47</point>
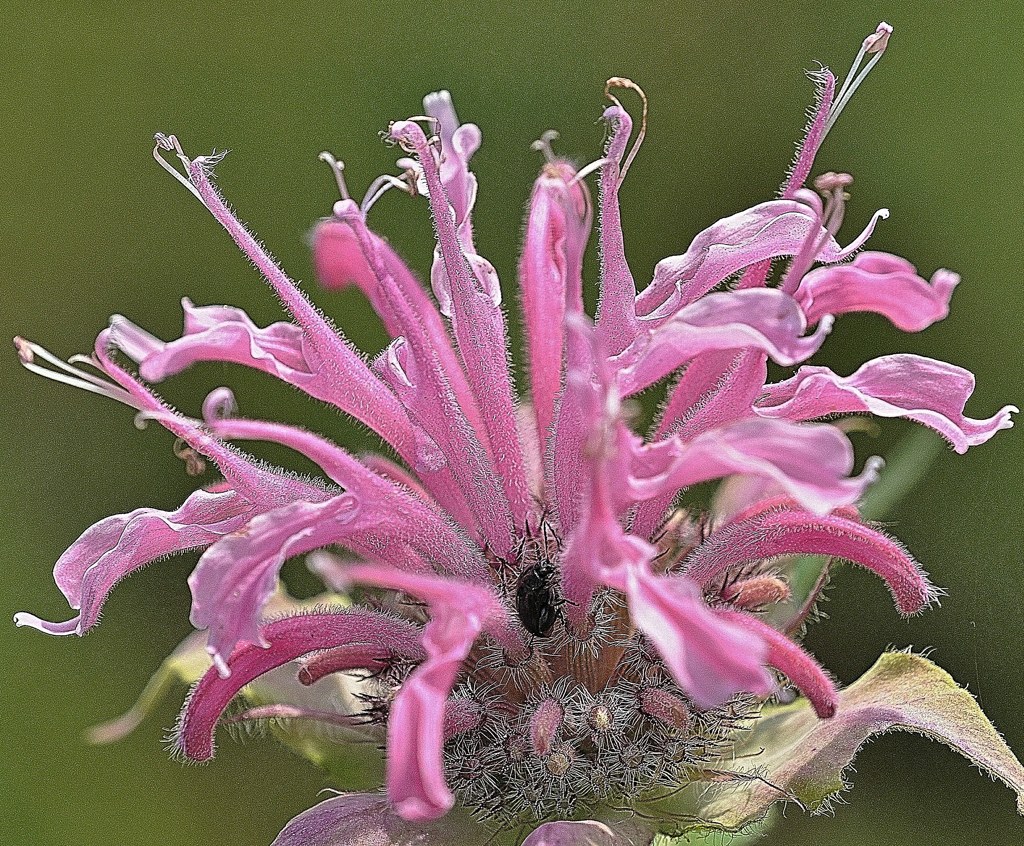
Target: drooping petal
<point>401,516</point>
<point>459,612</point>
<point>779,531</point>
<point>117,546</point>
<point>479,325</point>
<point>768,230</point>
<point>367,819</point>
<point>811,462</point>
<point>761,318</point>
<point>927,391</point>
<point>881,283</point>
<point>716,388</point>
<point>287,639</point>
<point>792,661</point>
<point>235,577</point>
<point>223,333</point>
<point>550,279</point>
<point>711,658</point>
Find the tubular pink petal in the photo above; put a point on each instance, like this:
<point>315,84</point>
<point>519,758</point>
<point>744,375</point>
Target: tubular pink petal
<point>756,275</point>
<point>354,656</point>
<point>459,613</point>
<point>404,306</point>
<point>812,463</point>
<point>222,333</point>
<point>716,388</point>
<point>881,283</point>
<point>616,312</point>
<point>479,326</point>
<point>590,833</point>
<point>339,262</point>
<point>550,278</point>
<point>117,546</point>
<point>287,639</point>
<point>924,390</point>
<point>761,318</point>
<point>781,531</point>
<point>792,661</point>
<point>712,659</point>
<point>402,517</point>
<point>768,230</point>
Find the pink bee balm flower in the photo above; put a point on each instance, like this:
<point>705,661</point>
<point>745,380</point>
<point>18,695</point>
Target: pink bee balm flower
<point>536,629</point>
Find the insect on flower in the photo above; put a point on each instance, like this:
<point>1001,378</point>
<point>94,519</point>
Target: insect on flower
<point>544,640</point>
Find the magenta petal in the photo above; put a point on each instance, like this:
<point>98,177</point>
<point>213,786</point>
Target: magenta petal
<point>767,230</point>
<point>287,639</point>
<point>761,318</point>
<point>715,389</point>
<point>223,333</point>
<point>479,326</point>
<point>400,516</point>
<point>792,661</point>
<point>118,546</point>
<point>778,532</point>
<point>616,311</point>
<point>459,612</point>
<point>550,278</point>
<point>590,833</point>
<point>712,659</point>
<point>881,283</point>
<point>237,575</point>
<point>924,390</point>
<point>811,462</point>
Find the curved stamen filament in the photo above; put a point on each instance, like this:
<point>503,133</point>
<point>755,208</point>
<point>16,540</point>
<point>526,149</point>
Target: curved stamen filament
<point>874,45</point>
<point>543,144</point>
<point>622,82</point>
<point>338,169</point>
<point>28,352</point>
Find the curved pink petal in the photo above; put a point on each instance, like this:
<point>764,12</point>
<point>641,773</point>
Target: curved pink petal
<point>459,612</point>
<point>781,531</point>
<point>401,516</point>
<point>235,577</point>
<point>924,390</point>
<point>712,659</point>
<point>459,142</point>
<point>479,326</point>
<point>768,230</point>
<point>761,318</point>
<point>756,275</point>
<point>715,389</point>
<point>616,311</point>
<point>117,546</point>
<point>287,639</point>
<point>791,660</point>
<point>550,279</point>
<point>811,462</point>
<point>881,283</point>
<point>223,333</point>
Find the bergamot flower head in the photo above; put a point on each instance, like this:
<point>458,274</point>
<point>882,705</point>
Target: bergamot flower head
<point>541,637</point>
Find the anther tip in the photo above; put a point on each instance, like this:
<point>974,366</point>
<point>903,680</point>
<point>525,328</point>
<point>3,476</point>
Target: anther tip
<point>879,39</point>
<point>24,349</point>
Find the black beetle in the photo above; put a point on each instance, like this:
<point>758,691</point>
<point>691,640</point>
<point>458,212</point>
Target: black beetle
<point>537,600</point>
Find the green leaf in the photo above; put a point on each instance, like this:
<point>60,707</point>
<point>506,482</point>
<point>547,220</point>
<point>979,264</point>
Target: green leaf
<point>790,755</point>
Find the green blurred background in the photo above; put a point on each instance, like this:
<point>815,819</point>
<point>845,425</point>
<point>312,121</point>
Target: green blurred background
<point>93,227</point>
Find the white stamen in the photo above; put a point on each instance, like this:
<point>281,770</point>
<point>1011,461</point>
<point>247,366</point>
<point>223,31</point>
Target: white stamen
<point>622,82</point>
<point>543,144</point>
<point>169,143</point>
<point>338,169</point>
<point>874,45</point>
<point>64,373</point>
<point>586,170</point>
<point>382,184</point>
